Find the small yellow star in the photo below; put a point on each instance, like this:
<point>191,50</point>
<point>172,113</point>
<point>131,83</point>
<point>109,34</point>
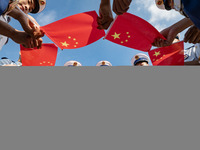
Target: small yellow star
<point>122,42</point>
<point>156,54</point>
<point>69,37</point>
<point>127,32</point>
<point>116,36</point>
<point>74,39</point>
<point>126,40</point>
<point>64,44</point>
<point>129,36</point>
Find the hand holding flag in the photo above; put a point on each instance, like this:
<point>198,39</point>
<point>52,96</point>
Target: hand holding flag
<point>172,55</point>
<point>132,31</point>
<point>74,31</point>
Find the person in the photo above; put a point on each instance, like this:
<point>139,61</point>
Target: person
<point>8,62</point>
<point>190,9</point>
<point>103,63</point>
<point>191,54</point>
<point>31,36</point>
<point>140,59</point>
<point>72,63</point>
<point>105,12</point>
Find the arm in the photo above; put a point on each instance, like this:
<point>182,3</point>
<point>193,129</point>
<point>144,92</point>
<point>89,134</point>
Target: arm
<point>171,32</point>
<point>19,37</point>
<point>105,13</point>
<point>192,35</point>
<point>121,6</point>
<point>26,24</point>
<point>191,63</point>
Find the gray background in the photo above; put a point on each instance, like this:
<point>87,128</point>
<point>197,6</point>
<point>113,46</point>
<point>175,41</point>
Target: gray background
<point>99,108</point>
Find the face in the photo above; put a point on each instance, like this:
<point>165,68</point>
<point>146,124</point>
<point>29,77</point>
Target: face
<point>142,64</point>
<point>171,3</point>
<point>26,5</point>
<point>176,40</point>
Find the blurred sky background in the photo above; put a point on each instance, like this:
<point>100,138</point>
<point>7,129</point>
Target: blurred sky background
<point>103,49</point>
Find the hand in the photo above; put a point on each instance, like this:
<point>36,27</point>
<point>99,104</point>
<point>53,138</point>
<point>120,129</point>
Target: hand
<point>169,34</point>
<point>192,35</point>
<point>106,17</point>
<point>27,24</point>
<point>26,40</point>
<point>29,27</point>
<point>121,6</point>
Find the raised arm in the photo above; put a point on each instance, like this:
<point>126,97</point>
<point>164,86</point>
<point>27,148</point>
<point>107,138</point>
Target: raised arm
<point>105,15</point>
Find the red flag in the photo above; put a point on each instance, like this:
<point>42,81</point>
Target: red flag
<point>46,56</point>
<point>172,55</point>
<point>132,31</point>
<point>74,31</point>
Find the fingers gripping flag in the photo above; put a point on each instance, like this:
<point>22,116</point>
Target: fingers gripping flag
<point>46,56</point>
<point>74,31</point>
<point>172,55</point>
<point>133,32</point>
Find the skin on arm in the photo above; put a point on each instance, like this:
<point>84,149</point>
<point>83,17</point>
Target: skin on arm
<point>26,24</point>
<point>19,37</point>
<point>191,63</point>
<point>171,32</point>
<point>192,35</point>
<point>121,6</point>
<point>105,13</point>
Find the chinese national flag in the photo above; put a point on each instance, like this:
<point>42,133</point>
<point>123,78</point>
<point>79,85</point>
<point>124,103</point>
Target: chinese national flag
<point>132,31</point>
<point>172,55</point>
<point>74,31</point>
<point>46,56</point>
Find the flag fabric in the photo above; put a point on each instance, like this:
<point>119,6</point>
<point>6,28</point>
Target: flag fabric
<point>172,55</point>
<point>133,32</point>
<point>74,31</point>
<point>46,56</point>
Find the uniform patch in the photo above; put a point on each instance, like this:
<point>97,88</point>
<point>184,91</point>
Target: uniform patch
<point>186,56</point>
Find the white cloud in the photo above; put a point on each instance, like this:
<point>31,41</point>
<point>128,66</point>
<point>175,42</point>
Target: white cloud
<point>159,18</point>
<point>46,18</point>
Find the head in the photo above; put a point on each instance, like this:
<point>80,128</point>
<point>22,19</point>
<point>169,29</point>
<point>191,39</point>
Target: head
<point>165,4</point>
<point>142,63</point>
<point>103,63</point>
<point>140,60</point>
<point>72,63</point>
<point>176,39</point>
<point>32,6</point>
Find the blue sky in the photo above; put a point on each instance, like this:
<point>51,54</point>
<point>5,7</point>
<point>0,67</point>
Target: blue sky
<point>101,50</point>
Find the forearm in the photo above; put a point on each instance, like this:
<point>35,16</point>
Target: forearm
<point>181,25</point>
<point>105,2</point>
<point>191,63</point>
<point>6,30</point>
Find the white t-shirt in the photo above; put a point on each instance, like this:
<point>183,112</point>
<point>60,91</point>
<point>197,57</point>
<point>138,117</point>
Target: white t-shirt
<point>3,39</point>
<point>192,53</point>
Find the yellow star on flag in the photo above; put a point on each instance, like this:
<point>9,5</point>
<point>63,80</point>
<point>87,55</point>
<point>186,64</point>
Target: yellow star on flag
<point>156,54</point>
<point>116,36</point>
<point>64,44</point>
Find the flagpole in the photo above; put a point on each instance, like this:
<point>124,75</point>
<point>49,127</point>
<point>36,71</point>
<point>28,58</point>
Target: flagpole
<point>110,27</point>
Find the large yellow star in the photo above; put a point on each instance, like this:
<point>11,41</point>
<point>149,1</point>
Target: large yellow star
<point>156,54</point>
<point>64,44</point>
<point>116,36</point>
